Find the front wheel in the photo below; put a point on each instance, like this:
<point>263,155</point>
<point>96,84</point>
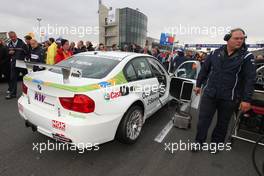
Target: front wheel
<point>130,126</point>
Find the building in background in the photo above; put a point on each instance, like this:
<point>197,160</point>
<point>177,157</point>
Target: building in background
<point>152,42</point>
<point>121,26</point>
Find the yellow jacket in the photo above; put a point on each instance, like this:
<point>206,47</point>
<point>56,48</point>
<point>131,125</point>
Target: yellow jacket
<point>52,51</point>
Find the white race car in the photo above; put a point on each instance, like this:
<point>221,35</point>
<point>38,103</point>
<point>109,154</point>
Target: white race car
<point>95,97</point>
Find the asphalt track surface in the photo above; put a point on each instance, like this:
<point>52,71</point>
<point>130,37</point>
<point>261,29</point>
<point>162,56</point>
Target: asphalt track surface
<point>145,158</point>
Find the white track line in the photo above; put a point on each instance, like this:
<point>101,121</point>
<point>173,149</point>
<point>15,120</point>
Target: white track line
<point>159,138</point>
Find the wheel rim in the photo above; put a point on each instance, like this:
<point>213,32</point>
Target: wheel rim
<point>134,125</point>
<point>260,77</point>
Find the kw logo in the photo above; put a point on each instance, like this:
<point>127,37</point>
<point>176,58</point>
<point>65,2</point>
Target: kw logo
<point>39,97</point>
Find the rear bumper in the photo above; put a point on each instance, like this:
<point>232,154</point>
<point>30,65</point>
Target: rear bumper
<point>92,129</point>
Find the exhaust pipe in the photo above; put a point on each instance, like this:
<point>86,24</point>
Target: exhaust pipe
<point>27,123</point>
<point>33,127</point>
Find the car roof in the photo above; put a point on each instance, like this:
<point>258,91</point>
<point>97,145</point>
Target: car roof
<point>110,54</point>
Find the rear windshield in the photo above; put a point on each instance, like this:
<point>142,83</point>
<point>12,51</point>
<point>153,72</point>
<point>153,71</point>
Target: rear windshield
<point>91,67</point>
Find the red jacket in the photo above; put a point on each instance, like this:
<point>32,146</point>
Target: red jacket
<point>62,55</point>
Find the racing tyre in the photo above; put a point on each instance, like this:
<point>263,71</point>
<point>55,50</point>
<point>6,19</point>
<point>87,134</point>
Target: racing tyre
<point>130,126</point>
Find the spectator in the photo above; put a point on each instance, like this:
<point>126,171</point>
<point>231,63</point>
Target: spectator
<point>64,52</point>
<point>45,48</point>
<point>89,46</point>
<point>18,50</point>
<point>178,60</point>
<point>145,50</point>
<point>167,58</point>
<point>37,54</point>
<point>114,47</point>
<point>156,53</point>
<point>134,48</point>
<point>202,57</point>
<point>189,55</point>
<point>72,47</point>
<point>80,48</point>
<point>101,47</point>
<point>58,42</point>
<point>27,40</point>
<point>125,48</point>
<point>52,51</point>
<point>4,61</point>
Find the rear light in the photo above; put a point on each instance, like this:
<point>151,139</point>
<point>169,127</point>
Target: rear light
<point>78,103</point>
<point>24,88</point>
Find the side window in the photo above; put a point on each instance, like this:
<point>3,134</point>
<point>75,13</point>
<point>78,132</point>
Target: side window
<point>130,73</point>
<point>187,70</point>
<point>156,69</point>
<point>142,68</point>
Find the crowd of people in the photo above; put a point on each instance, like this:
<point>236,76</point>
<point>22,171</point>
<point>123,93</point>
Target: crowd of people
<point>54,51</point>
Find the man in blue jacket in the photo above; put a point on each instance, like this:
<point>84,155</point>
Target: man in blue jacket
<point>228,76</point>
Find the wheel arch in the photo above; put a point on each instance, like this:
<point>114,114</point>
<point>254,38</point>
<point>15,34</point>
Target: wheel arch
<point>135,103</point>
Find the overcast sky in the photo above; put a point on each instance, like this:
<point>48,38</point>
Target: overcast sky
<point>163,15</point>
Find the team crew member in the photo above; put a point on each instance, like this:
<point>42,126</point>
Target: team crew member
<point>229,77</point>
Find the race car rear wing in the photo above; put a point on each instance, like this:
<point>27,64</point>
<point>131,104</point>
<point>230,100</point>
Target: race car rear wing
<point>66,71</point>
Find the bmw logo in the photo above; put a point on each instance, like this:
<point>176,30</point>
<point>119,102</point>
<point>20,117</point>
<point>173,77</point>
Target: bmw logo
<point>39,87</point>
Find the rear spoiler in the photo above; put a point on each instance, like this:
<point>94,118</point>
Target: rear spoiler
<point>66,71</point>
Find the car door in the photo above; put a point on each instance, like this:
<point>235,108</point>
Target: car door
<point>183,81</point>
<point>163,78</point>
<point>140,77</point>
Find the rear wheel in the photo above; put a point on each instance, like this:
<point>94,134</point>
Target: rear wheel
<point>130,126</point>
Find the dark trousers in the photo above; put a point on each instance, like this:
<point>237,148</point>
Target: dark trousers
<point>5,70</point>
<point>208,107</point>
<point>13,79</point>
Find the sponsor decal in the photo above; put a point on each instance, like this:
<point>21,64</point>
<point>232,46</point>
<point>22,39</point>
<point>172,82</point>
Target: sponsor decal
<point>152,100</point>
<point>39,87</point>
<point>107,96</point>
<point>148,94</point>
<point>112,95</point>
<point>58,125</point>
<point>61,138</point>
<point>104,84</point>
<point>125,90</point>
<point>39,97</point>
